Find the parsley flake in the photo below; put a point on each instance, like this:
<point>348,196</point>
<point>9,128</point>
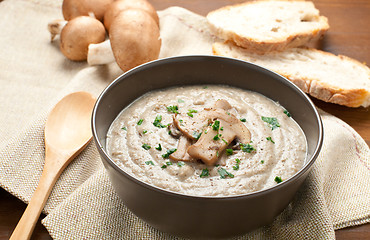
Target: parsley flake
<point>223,173</point>
<point>157,122</point>
<point>169,152</point>
<point>140,121</point>
<point>124,128</point>
<point>229,152</point>
<point>225,141</point>
<point>278,179</point>
<point>247,147</point>
<point>164,166</point>
<point>159,148</point>
<point>205,173</point>
<point>216,125</point>
<point>236,167</point>
<point>180,100</point>
<point>146,146</point>
<point>243,119</point>
<point>173,109</point>
<point>287,113</point>
<point>191,111</point>
<point>180,164</point>
<point>145,131</point>
<point>272,121</point>
<point>262,161</point>
<point>216,137</point>
<point>270,139</point>
<point>196,135</point>
<point>168,163</point>
<point>149,163</point>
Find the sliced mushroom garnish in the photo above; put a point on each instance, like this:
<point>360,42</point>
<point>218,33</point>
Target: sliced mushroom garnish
<point>223,104</point>
<point>211,143</point>
<point>214,139</point>
<point>181,153</point>
<point>191,126</point>
<point>174,132</point>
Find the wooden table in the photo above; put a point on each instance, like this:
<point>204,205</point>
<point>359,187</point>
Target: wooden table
<point>349,35</point>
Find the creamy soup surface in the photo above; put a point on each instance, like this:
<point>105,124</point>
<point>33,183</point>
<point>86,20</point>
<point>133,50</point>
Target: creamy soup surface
<point>143,137</point>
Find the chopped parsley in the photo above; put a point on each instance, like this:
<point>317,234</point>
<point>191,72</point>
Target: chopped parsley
<point>180,164</point>
<point>243,119</point>
<point>229,152</point>
<point>140,121</point>
<point>180,100</point>
<point>223,173</point>
<point>205,173</point>
<point>222,128</point>
<point>168,163</point>
<point>224,141</point>
<point>149,163</point>
<point>247,147</point>
<point>146,146</point>
<point>236,167</point>
<point>270,139</point>
<point>287,113</point>
<point>169,152</point>
<point>191,111</point>
<point>272,121</point>
<point>157,122</point>
<point>173,109</point>
<point>278,179</point>
<point>164,166</point>
<point>262,161</point>
<point>159,148</point>
<point>124,128</point>
<point>205,87</point>
<point>145,131</point>
<point>196,135</point>
<point>216,125</point>
<point>216,137</point>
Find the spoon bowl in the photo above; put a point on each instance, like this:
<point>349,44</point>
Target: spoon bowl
<point>67,133</point>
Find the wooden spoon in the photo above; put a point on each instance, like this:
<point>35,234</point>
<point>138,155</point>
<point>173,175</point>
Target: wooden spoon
<point>67,133</point>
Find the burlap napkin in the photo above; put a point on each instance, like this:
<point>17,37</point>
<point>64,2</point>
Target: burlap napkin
<point>83,205</point>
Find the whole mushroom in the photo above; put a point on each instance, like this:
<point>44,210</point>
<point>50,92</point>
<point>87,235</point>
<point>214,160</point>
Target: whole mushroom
<point>77,34</point>
<point>75,8</point>
<point>117,6</point>
<point>135,38</point>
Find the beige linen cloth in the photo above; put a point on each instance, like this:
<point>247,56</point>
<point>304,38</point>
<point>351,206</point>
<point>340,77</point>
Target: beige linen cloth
<point>83,205</point>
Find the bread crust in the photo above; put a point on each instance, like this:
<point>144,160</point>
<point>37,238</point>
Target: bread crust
<point>319,89</point>
<point>278,44</point>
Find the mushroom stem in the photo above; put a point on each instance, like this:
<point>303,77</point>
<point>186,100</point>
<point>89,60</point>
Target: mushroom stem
<point>100,53</point>
<point>55,27</point>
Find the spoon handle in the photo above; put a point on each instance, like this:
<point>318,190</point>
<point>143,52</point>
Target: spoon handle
<point>29,218</point>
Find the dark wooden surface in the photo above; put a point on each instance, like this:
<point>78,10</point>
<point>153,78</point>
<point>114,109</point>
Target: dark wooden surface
<point>349,35</point>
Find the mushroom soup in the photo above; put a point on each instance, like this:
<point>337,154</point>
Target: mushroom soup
<point>207,141</point>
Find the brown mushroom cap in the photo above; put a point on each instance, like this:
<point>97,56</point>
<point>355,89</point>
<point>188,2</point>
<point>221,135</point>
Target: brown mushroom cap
<point>116,7</point>
<point>77,34</point>
<point>135,38</point>
<point>75,8</point>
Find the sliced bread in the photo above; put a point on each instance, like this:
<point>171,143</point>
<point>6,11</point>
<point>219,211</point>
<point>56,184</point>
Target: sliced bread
<point>331,78</point>
<point>263,26</point>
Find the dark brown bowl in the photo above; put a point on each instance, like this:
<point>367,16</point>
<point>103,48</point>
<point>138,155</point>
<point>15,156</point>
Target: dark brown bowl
<point>193,216</point>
